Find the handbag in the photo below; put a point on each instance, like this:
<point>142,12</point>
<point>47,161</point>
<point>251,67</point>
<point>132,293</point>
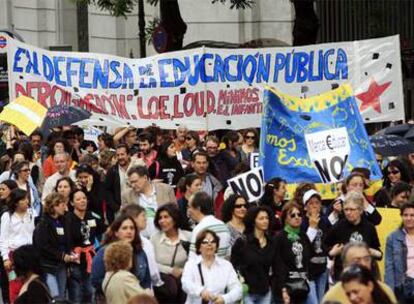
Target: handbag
<point>171,287</point>
<point>202,281</point>
<point>298,289</point>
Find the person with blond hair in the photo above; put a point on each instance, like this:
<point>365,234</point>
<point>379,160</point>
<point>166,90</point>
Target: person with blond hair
<point>119,284</point>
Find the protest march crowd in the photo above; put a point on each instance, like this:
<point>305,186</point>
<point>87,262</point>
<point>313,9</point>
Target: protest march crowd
<point>148,216</point>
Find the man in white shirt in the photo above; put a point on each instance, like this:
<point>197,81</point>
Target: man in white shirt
<point>61,161</point>
<point>200,209</point>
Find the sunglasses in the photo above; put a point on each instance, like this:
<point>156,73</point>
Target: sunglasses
<point>240,206</point>
<point>394,172</point>
<point>249,137</point>
<point>208,242</point>
<point>295,214</point>
<point>188,138</point>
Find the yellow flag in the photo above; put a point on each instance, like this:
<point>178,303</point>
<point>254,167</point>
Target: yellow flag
<point>25,113</point>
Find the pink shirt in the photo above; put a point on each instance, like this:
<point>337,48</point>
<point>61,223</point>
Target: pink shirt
<point>410,257</point>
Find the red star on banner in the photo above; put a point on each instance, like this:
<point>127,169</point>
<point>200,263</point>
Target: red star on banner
<point>371,98</point>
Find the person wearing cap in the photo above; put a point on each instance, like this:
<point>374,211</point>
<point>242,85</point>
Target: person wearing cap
<point>315,224</point>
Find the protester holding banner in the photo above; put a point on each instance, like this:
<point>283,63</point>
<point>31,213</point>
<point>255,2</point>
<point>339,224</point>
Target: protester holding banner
<point>253,255</point>
<point>394,172</point>
<point>233,213</point>
<point>274,198</point>
<point>399,265</point>
<point>291,261</point>
<point>354,227</point>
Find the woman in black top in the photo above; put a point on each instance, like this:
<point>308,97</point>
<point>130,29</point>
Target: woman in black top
<point>27,268</point>
<point>292,258</point>
<point>353,228</point>
<point>253,255</point>
<point>167,167</point>
<point>51,239</point>
<point>274,198</point>
<point>85,226</point>
<point>188,185</point>
<point>88,180</point>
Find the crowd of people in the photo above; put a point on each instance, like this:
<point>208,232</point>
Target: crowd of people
<point>147,216</point>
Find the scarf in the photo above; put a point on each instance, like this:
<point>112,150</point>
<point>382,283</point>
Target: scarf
<point>292,233</point>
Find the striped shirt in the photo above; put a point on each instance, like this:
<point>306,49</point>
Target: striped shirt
<point>209,222</point>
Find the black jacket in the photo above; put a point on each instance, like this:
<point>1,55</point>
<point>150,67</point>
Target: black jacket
<point>169,170</point>
<point>291,259</point>
<point>112,192</point>
<point>254,262</point>
<point>344,232</point>
<point>46,241</point>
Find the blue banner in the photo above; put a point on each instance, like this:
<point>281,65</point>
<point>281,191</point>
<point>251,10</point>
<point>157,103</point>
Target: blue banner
<point>288,120</point>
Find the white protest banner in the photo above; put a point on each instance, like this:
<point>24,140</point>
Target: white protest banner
<point>91,133</point>
<point>249,184</point>
<point>329,151</point>
<point>254,160</point>
<point>207,88</point>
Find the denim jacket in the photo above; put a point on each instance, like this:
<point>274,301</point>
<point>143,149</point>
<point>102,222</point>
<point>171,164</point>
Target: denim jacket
<point>141,270</point>
<point>396,259</point>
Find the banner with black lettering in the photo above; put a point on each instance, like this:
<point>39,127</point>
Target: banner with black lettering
<point>249,184</point>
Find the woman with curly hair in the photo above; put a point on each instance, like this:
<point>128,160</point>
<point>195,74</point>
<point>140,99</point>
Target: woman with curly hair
<point>233,212</point>
<point>119,283</point>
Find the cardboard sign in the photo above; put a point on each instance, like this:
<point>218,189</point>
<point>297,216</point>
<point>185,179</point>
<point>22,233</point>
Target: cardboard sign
<point>254,160</point>
<point>329,151</point>
<point>249,184</point>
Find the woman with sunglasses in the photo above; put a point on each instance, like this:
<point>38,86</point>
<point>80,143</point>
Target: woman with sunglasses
<point>393,173</point>
<point>353,228</point>
<point>210,279</point>
<point>21,174</point>
<point>399,265</point>
<point>193,144</point>
<point>291,260</point>
<point>249,146</point>
<point>233,213</point>
<point>361,286</point>
<point>17,226</point>
<point>253,255</point>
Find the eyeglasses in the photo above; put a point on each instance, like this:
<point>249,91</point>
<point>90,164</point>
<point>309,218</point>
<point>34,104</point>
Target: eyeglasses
<point>208,242</point>
<point>240,206</point>
<point>366,259</point>
<point>249,137</point>
<point>295,214</point>
<point>393,172</point>
<point>188,138</point>
<point>350,209</point>
<point>212,148</point>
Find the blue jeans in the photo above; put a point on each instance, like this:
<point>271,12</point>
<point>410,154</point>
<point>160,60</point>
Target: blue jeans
<point>57,282</point>
<point>317,288</point>
<point>252,298</point>
<point>80,286</point>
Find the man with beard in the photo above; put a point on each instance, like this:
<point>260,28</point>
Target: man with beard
<point>146,146</point>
